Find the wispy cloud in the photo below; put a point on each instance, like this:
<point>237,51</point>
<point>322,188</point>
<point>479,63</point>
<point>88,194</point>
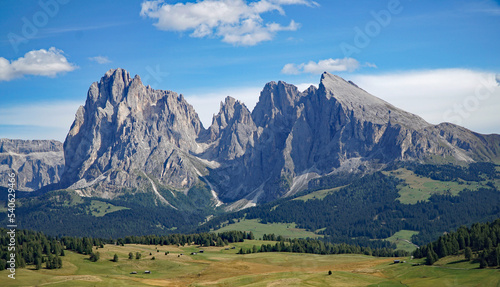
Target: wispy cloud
<point>45,120</point>
<point>490,7</point>
<point>465,97</point>
<point>41,62</point>
<point>235,21</point>
<point>62,30</point>
<point>328,65</point>
<point>100,59</point>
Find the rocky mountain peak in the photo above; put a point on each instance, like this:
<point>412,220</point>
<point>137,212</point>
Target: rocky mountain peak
<point>125,128</point>
<point>231,110</point>
<point>128,136</point>
<point>276,100</point>
<point>365,106</point>
<point>233,130</point>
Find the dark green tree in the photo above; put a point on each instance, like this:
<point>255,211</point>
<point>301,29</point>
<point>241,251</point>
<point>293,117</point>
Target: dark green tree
<point>94,257</point>
<point>468,253</point>
<point>38,263</point>
<point>442,249</point>
<point>431,257</point>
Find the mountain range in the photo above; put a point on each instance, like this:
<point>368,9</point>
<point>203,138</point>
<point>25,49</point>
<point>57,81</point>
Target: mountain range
<point>130,138</point>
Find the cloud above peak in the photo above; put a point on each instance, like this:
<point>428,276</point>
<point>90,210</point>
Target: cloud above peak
<point>100,60</point>
<point>41,62</point>
<point>327,65</point>
<point>235,21</point>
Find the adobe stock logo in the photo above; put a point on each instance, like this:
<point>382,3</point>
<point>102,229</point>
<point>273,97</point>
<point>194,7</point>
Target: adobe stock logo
<point>372,29</point>
<point>487,87</point>
<point>31,25</point>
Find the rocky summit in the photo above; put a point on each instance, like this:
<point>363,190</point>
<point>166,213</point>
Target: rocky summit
<point>132,138</point>
<point>37,163</point>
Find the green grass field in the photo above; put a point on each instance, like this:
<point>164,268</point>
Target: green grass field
<point>220,267</point>
<point>421,188</point>
<point>287,230</point>
<point>400,237</point>
<point>319,194</point>
<point>99,208</point>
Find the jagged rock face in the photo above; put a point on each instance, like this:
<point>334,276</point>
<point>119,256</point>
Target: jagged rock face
<point>37,163</point>
<point>232,131</point>
<point>338,127</point>
<point>127,130</point>
<point>128,135</point>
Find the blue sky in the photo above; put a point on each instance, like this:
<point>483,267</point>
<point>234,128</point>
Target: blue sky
<point>438,59</point>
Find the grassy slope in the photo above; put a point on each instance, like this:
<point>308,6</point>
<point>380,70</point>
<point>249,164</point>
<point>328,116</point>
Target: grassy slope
<point>421,188</point>
<point>99,208</point>
<point>220,267</point>
<point>319,194</point>
<point>399,239</point>
<point>286,230</point>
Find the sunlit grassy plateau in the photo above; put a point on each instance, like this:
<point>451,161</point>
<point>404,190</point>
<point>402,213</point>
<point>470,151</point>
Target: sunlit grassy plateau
<point>221,266</point>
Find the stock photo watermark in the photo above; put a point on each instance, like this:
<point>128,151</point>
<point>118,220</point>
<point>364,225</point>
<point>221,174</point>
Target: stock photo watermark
<point>484,90</point>
<point>363,36</point>
<point>154,76</point>
<point>11,226</point>
<point>31,25</point>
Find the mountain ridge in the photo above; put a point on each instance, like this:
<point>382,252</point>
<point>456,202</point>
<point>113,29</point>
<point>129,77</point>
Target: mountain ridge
<point>132,138</point>
<point>37,163</point>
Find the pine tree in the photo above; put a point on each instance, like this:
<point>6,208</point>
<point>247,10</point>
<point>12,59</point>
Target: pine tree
<point>482,259</point>
<point>94,256</point>
<point>482,263</point>
<point>255,249</point>
<point>115,258</point>
<point>48,263</point>
<point>431,257</point>
<point>38,263</point>
<point>468,253</point>
<point>442,250</point>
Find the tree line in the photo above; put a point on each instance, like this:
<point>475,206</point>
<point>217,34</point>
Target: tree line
<point>480,242</point>
<point>474,172</point>
<point>367,211</point>
<point>314,246</point>
<point>32,248</point>
<point>36,248</point>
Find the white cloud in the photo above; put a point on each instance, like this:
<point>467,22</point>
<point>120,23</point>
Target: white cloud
<point>46,120</point>
<point>235,21</point>
<point>100,59</point>
<point>291,69</point>
<point>41,62</point>
<point>369,65</point>
<point>465,97</point>
<point>304,86</point>
<point>328,65</point>
<point>302,2</point>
